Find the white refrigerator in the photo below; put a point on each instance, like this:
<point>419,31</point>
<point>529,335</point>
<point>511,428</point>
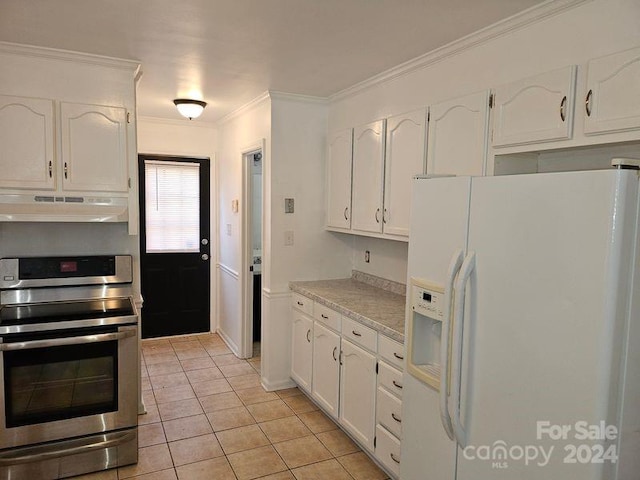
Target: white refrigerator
<point>523,321</point>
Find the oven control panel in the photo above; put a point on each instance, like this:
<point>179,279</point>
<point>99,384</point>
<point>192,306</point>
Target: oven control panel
<point>63,271</point>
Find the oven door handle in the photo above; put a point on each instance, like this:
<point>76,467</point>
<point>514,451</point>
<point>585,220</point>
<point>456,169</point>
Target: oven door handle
<point>57,342</point>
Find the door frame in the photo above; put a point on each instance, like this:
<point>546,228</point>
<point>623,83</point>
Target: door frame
<point>213,231</point>
<point>246,327</point>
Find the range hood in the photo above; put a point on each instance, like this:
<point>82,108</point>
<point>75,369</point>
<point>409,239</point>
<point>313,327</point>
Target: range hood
<point>59,208</point>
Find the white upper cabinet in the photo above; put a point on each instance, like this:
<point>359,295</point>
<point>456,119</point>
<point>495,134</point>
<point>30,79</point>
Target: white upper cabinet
<point>405,157</point>
<point>612,101</point>
<point>368,175</point>
<point>26,143</point>
<point>338,186</point>
<point>458,136</point>
<point>94,148</point>
<point>535,109</point>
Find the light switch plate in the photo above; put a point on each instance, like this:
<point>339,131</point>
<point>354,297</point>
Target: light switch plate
<point>288,238</point>
<point>288,205</point>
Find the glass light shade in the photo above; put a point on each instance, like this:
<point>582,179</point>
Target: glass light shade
<point>189,108</point>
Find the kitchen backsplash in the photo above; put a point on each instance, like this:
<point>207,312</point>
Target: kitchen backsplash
<point>383,283</point>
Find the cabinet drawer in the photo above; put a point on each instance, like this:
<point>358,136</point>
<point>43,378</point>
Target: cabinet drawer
<point>388,450</point>
<point>302,303</point>
<point>389,412</point>
<point>325,315</point>
<point>391,351</point>
<point>390,378</point>
<point>358,333</point>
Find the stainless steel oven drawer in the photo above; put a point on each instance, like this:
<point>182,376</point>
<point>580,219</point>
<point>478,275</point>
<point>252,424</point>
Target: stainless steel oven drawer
<point>67,458</point>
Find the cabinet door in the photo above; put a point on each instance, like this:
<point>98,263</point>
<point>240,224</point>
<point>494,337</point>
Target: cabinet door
<point>458,135</point>
<point>326,368</point>
<point>612,102</point>
<point>94,148</point>
<point>405,157</point>
<point>358,393</point>
<point>535,109</point>
<point>301,349</point>
<point>368,172</point>
<point>26,143</point>
<point>339,153</point>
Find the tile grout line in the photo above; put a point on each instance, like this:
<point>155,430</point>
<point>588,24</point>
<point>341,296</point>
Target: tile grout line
<point>196,343</point>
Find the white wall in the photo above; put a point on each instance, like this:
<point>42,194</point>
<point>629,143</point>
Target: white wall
<point>236,134</point>
<point>590,30</point>
<point>187,138</point>
<point>296,170</point>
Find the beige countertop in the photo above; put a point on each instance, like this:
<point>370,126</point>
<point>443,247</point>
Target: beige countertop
<point>373,306</point>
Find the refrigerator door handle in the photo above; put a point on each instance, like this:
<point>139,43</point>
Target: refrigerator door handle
<point>466,270</point>
<point>445,342</point>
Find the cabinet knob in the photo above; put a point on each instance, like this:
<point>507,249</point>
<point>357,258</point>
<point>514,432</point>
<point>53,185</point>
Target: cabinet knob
<point>397,385</point>
<point>66,170</point>
<point>377,214</point>
<point>335,359</point>
<point>50,169</point>
<point>587,103</point>
<point>346,209</point>
<point>308,333</point>
<point>399,420</point>
<point>393,457</point>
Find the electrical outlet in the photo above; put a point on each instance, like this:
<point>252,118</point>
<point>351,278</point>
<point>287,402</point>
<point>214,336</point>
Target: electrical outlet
<point>367,256</point>
<point>288,238</point>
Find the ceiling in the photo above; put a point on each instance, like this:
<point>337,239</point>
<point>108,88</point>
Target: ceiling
<point>228,52</point>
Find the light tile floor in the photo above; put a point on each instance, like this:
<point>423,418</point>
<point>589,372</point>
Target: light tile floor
<point>208,417</point>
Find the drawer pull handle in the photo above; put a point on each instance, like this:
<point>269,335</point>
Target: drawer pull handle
<point>356,333</point>
<point>399,357</point>
<point>308,332</point>
<point>399,420</point>
<point>397,385</point>
<point>393,457</point>
<point>300,303</point>
<point>563,108</point>
<point>324,316</point>
<point>334,354</point>
<point>587,103</point>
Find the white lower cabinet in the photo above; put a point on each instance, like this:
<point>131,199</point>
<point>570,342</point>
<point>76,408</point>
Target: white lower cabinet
<point>353,373</point>
<point>302,349</point>
<point>388,450</point>
<point>326,369</point>
<point>358,393</point>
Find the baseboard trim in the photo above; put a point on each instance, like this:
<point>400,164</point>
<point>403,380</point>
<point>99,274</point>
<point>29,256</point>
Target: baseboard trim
<point>278,385</point>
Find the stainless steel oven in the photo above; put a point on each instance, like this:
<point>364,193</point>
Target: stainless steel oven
<point>68,366</point>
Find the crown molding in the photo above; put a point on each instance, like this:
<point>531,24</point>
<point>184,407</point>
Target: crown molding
<point>518,21</point>
<point>70,56</point>
<point>256,102</point>
<point>296,97</point>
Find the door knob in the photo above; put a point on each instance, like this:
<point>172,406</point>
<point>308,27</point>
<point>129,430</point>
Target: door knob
<point>204,256</point>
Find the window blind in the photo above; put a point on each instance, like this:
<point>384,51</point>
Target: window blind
<point>172,207</point>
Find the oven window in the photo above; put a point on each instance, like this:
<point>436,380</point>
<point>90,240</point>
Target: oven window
<point>56,383</point>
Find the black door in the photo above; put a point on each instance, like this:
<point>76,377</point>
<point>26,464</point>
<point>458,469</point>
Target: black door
<point>174,245</point>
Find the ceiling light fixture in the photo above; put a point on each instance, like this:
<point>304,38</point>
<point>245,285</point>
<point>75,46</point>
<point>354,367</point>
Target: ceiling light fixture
<point>189,108</point>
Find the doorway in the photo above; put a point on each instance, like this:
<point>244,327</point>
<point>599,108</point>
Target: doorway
<point>174,245</point>
<point>253,169</point>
